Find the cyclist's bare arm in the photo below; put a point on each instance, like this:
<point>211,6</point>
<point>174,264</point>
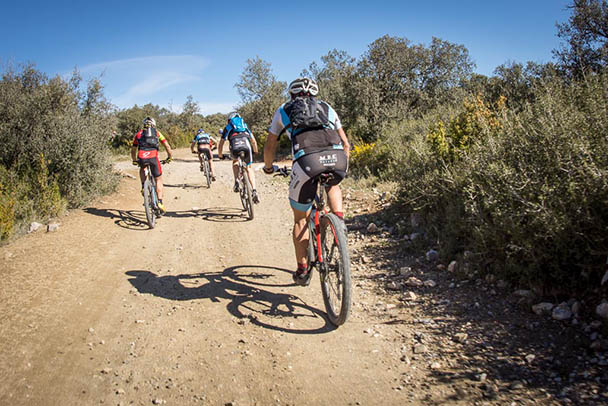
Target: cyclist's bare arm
<point>270,149</point>
<point>133,153</point>
<point>168,149</point>
<point>220,147</point>
<point>192,146</point>
<point>254,143</point>
<point>345,142</point>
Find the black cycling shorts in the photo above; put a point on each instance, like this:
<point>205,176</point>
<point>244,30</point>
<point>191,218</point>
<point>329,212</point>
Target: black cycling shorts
<point>205,148</point>
<point>241,144</point>
<point>305,172</point>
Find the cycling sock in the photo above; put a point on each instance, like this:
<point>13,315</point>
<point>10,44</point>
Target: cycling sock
<point>339,214</point>
<point>302,267</point>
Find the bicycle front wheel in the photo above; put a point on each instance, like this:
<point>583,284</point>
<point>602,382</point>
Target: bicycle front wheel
<point>149,203</point>
<point>248,194</point>
<point>335,270</point>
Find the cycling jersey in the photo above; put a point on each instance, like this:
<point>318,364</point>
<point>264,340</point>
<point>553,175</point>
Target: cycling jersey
<point>148,139</point>
<point>202,138</point>
<point>280,123</point>
<point>230,131</point>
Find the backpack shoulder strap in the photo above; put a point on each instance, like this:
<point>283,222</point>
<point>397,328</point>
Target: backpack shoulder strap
<point>284,117</point>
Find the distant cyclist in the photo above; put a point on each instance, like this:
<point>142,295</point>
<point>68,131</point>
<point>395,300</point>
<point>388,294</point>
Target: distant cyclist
<point>205,144</point>
<point>241,139</point>
<point>145,150</point>
<point>319,145</point>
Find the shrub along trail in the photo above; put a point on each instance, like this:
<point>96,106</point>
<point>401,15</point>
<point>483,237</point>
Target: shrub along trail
<point>201,310</point>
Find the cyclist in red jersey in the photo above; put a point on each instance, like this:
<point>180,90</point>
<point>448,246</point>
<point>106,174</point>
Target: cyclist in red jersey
<point>145,150</point>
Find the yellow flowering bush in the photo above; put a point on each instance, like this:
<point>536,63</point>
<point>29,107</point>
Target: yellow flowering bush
<point>367,159</point>
<point>449,140</point>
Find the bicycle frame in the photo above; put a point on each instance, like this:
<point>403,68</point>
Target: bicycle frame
<point>318,210</point>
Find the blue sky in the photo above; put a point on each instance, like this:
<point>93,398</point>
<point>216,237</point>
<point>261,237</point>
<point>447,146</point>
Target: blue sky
<point>160,51</point>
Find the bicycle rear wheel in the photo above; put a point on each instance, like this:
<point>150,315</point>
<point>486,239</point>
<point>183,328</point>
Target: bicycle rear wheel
<point>149,203</point>
<point>248,194</point>
<point>242,191</point>
<point>207,171</point>
<point>335,270</point>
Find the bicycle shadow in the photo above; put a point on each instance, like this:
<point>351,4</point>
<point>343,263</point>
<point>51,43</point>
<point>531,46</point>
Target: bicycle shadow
<point>195,159</point>
<point>263,308</point>
<point>184,186</point>
<point>214,214</point>
<point>129,219</point>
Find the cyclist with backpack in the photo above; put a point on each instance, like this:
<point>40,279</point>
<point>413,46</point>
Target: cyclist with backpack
<point>204,143</point>
<point>241,139</point>
<point>319,145</point>
<point>145,151</point>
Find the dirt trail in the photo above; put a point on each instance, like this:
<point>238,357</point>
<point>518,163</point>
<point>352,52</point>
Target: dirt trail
<point>201,310</point>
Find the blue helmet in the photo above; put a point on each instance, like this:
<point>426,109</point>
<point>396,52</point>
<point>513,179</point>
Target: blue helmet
<point>200,131</point>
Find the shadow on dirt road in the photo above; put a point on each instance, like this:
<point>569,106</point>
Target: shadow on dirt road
<point>240,285</point>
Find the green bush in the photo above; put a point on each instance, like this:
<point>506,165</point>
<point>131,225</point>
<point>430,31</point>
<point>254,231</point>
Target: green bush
<point>528,197</point>
<point>58,150</point>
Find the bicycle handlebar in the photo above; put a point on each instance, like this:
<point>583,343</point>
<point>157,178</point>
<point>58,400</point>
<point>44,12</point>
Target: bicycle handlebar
<point>278,171</point>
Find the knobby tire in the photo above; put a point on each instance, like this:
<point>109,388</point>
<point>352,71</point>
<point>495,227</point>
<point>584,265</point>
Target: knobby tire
<point>207,171</point>
<point>149,203</point>
<point>335,273</point>
<point>248,194</point>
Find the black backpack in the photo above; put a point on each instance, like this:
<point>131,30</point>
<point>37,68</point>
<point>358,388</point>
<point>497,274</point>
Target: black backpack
<point>309,121</point>
<point>149,139</point>
<point>305,113</point>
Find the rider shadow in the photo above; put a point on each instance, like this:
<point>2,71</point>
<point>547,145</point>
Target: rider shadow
<point>261,307</point>
<point>129,219</point>
<point>214,214</point>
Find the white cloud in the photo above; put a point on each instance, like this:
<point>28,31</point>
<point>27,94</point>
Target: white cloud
<point>212,108</point>
<point>152,79</point>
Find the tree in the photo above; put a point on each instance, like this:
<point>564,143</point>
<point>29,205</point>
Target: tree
<point>188,117</point>
<point>334,76</point>
<point>396,79</point>
<point>585,36</point>
<point>261,93</point>
<point>256,80</point>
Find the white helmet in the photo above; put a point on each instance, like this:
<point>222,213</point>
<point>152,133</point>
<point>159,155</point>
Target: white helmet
<point>303,85</point>
<point>149,122</point>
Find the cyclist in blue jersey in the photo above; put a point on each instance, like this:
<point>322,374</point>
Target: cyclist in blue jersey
<point>204,144</point>
<point>319,145</point>
<point>241,139</point>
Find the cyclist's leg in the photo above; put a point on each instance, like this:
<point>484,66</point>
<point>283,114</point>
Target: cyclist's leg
<point>209,159</point>
<point>334,193</point>
<point>142,175</point>
<point>249,161</point>
<point>235,168</point>
<point>302,189</point>
<point>159,187</point>
<point>300,236</point>
<point>334,197</point>
<point>157,172</point>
